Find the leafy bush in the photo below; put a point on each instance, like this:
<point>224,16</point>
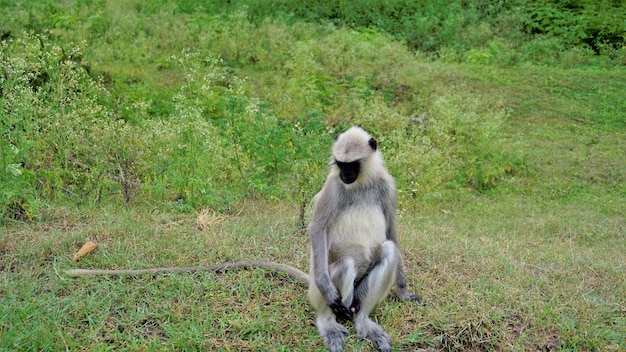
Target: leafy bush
<point>463,29</point>
<point>422,25</point>
<point>69,138</point>
<point>231,139</point>
<point>599,24</point>
<point>53,120</point>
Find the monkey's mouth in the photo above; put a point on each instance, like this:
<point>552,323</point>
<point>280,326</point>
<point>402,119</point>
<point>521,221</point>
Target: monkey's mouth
<point>348,179</point>
<point>349,172</point>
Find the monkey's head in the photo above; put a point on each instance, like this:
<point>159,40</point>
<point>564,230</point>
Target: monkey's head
<point>352,154</point>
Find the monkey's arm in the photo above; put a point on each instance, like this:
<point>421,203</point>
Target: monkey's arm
<point>390,211</point>
<point>321,274</point>
<point>325,210</point>
<point>298,275</point>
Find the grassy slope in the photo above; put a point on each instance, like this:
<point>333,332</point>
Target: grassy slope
<point>536,263</point>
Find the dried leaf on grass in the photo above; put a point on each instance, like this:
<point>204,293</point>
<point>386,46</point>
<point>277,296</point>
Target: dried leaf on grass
<point>207,218</point>
<point>87,248</point>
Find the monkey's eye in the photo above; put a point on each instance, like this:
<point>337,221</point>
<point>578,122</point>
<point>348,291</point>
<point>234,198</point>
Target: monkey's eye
<point>354,165</point>
<point>350,165</point>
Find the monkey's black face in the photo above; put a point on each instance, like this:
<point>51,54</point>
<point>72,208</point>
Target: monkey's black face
<point>349,172</point>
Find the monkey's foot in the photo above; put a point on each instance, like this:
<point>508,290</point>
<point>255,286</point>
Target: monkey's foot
<point>414,298</point>
<point>405,295</point>
<point>335,339</point>
<point>334,334</point>
<point>375,333</point>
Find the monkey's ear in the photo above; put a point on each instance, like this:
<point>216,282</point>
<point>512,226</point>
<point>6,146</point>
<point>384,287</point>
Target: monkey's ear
<point>372,142</point>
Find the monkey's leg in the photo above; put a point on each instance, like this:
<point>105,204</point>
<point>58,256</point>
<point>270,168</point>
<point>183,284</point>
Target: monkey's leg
<point>372,289</point>
<point>342,274</point>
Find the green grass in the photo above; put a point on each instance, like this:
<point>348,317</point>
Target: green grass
<point>504,274</point>
<point>511,181</point>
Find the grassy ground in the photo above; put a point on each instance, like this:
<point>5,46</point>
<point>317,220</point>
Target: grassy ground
<point>533,262</point>
<point>499,273</point>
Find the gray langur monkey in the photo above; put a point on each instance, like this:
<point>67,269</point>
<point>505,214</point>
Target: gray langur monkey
<point>355,258</point>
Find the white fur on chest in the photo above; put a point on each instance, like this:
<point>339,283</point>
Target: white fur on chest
<point>361,224</point>
<point>358,232</point>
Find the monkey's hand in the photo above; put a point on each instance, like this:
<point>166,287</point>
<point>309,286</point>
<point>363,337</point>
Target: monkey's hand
<point>342,313</point>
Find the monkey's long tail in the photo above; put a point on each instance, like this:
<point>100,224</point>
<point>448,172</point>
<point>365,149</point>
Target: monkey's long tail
<point>292,272</point>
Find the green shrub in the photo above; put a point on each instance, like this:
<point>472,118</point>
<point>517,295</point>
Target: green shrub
<point>461,29</point>
<point>599,24</point>
<point>53,118</point>
<point>217,146</point>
